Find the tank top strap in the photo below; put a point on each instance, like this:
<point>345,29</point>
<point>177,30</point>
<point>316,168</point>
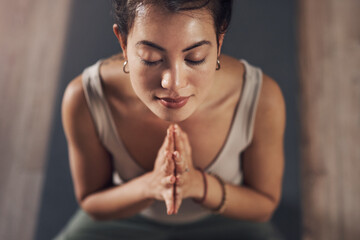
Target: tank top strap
<point>251,95</point>
<point>98,106</point>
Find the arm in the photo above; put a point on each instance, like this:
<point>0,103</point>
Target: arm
<point>263,164</point>
<point>91,166</point>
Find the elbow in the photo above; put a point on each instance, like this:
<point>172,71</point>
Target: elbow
<point>91,211</point>
<point>268,212</point>
<point>264,218</point>
<point>96,216</point>
<point>93,214</point>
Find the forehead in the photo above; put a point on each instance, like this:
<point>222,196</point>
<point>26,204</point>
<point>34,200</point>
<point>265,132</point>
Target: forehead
<point>159,24</point>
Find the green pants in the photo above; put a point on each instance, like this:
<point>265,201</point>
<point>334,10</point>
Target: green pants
<point>81,226</point>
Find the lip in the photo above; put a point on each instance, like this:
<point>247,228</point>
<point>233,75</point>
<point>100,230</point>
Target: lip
<point>174,102</point>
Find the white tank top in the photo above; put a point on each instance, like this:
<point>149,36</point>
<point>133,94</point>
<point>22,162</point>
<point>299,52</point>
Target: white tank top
<point>227,164</point>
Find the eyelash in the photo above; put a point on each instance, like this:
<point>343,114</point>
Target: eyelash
<point>196,62</point>
<point>148,63</point>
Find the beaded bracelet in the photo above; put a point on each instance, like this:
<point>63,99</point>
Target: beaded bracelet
<point>221,208</point>
<point>205,187</point>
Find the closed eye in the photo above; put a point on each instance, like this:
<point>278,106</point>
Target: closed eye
<point>149,63</point>
<point>195,62</point>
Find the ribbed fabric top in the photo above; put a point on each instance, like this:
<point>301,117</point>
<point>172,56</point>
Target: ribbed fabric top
<point>227,164</point>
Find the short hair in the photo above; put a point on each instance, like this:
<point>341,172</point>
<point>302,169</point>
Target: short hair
<point>124,12</point>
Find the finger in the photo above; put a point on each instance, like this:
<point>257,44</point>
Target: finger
<point>166,142</point>
<point>164,160</point>
<point>168,181</point>
<point>177,138</point>
<point>169,164</point>
<point>169,201</point>
<point>180,164</point>
<point>179,180</point>
<point>180,156</point>
<point>178,200</point>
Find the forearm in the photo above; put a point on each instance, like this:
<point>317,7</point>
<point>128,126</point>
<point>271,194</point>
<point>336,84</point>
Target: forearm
<point>241,202</point>
<point>119,201</point>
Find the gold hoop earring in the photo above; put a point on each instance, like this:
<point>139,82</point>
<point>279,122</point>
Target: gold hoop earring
<point>218,66</point>
<point>124,66</point>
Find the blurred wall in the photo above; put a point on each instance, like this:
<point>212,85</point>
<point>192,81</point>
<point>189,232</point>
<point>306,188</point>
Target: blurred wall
<point>32,36</point>
<point>329,53</point>
<point>262,32</point>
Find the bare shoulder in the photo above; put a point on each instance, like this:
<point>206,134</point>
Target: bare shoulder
<point>271,92</point>
<point>74,97</point>
<point>78,123</point>
<point>75,112</point>
<point>271,96</point>
<point>271,106</point>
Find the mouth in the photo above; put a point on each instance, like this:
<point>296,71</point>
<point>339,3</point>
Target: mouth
<point>174,102</point>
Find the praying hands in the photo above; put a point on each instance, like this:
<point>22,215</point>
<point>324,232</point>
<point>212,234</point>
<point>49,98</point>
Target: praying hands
<point>174,175</point>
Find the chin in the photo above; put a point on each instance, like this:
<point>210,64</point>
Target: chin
<point>173,115</point>
<point>173,118</point>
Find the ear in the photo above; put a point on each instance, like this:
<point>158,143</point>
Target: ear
<point>121,39</point>
<point>221,40</point>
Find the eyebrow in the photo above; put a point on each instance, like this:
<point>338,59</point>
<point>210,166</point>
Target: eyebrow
<point>153,45</point>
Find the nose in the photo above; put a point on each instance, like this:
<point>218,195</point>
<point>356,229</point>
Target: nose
<point>173,78</point>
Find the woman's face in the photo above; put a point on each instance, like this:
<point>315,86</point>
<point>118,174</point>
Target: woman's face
<point>172,60</point>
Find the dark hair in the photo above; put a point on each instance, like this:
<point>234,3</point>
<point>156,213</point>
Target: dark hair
<point>124,12</point>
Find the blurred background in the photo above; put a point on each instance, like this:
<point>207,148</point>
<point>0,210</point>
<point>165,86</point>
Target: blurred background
<point>311,48</point>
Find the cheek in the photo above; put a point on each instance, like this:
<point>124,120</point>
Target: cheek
<point>203,79</point>
<point>143,80</point>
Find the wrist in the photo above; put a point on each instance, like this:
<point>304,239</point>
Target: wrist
<point>199,186</point>
<point>220,208</point>
<point>147,188</point>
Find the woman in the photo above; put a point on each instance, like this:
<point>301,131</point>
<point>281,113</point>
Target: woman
<point>171,139</point>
